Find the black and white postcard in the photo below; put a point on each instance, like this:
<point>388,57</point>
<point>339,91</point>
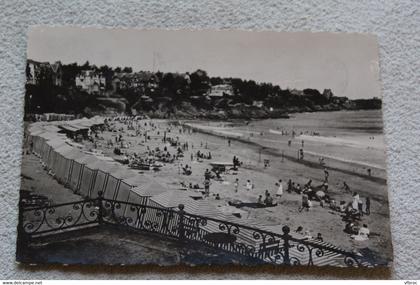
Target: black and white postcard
<point>203,148</point>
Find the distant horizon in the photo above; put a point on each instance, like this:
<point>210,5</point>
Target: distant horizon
<point>348,64</point>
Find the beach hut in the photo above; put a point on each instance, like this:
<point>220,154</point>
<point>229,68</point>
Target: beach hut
<point>87,178</point>
<point>53,154</point>
<point>70,155</point>
<point>132,190</point>
<point>59,166</point>
<point>113,181</point>
<point>127,184</point>
<point>72,129</point>
<point>77,170</point>
<point>104,169</point>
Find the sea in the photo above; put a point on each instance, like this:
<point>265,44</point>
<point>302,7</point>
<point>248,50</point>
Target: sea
<point>346,136</point>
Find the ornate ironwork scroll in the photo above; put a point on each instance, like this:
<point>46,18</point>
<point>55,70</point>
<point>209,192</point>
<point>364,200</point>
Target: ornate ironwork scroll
<point>235,238</point>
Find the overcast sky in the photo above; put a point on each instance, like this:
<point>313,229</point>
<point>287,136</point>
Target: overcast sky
<point>345,63</point>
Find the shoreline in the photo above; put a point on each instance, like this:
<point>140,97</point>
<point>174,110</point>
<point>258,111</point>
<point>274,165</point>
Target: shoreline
<point>314,164</point>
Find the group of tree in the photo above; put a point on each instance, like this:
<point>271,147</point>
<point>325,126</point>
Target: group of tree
<point>178,90</point>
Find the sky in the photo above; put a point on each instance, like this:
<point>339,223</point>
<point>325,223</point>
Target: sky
<point>348,64</point>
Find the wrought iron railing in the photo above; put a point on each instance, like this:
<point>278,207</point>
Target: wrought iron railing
<point>230,237</point>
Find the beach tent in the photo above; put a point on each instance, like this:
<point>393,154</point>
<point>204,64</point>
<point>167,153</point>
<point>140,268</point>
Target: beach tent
<point>162,219</point>
<point>113,180</point>
<point>52,156</point>
<point>124,188</point>
<point>87,178</point>
<point>59,166</point>
<point>90,174</point>
<point>101,176</point>
<point>77,168</point>
<point>128,183</point>
<point>141,193</point>
<point>69,155</point>
<point>38,142</point>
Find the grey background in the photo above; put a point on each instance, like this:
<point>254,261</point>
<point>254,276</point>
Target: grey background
<point>396,24</point>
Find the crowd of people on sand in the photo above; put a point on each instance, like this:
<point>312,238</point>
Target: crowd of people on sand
<point>351,211</point>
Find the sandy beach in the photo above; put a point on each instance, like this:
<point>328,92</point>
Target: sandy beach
<point>317,220</point>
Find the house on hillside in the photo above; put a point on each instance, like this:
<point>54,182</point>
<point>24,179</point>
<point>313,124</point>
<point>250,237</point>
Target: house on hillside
<point>220,91</point>
<point>90,81</point>
<point>36,71</point>
<point>138,81</point>
<point>57,73</point>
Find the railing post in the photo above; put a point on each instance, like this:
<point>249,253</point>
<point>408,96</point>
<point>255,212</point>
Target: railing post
<point>100,208</point>
<point>22,238</point>
<point>286,236</point>
<point>181,227</point>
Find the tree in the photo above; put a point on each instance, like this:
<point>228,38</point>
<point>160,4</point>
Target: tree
<point>108,73</point>
<point>128,70</point>
<point>86,65</point>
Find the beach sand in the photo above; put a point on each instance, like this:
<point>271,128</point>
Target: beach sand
<point>317,220</point>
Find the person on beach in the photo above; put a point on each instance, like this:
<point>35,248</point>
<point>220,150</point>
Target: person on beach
<point>360,207</point>
<point>207,174</point>
<point>307,235</point>
<point>289,186</point>
<point>305,203</point>
<point>289,143</point>
<point>229,142</point>
<point>268,200</point>
<point>342,207</point>
<point>303,143</point>
<point>367,210</point>
<point>207,187</point>
<point>319,237</point>
<point>236,185</point>
<point>363,234</point>
<point>260,201</point>
<point>248,185</point>
<point>346,187</point>
<point>326,175</point>
<point>355,203</point>
<point>279,189</point>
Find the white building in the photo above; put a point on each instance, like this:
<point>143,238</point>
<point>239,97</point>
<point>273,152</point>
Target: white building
<point>90,81</point>
<point>220,91</point>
